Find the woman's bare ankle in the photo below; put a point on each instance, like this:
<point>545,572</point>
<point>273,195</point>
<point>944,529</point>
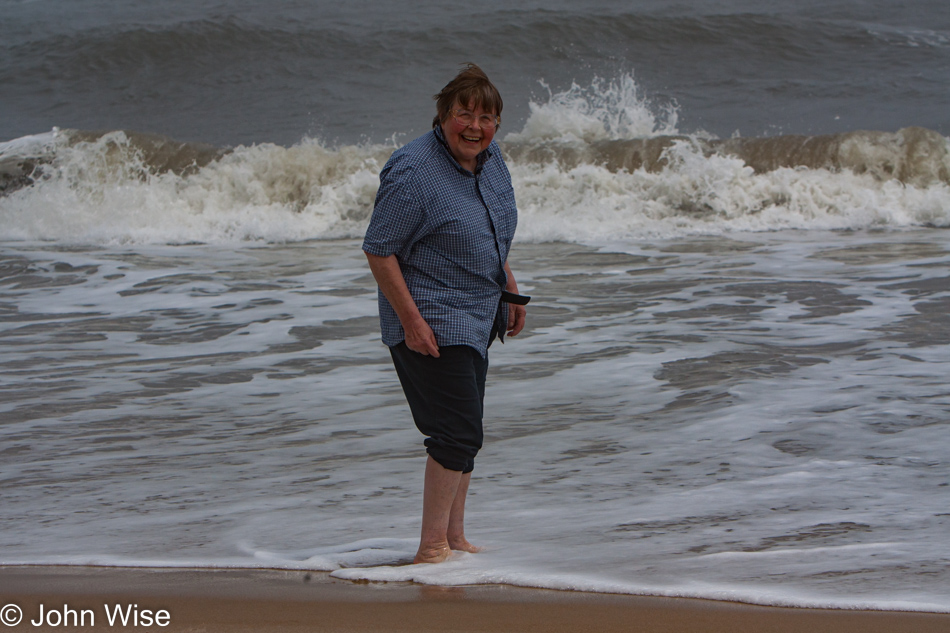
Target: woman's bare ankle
<point>435,553</point>
<point>461,544</point>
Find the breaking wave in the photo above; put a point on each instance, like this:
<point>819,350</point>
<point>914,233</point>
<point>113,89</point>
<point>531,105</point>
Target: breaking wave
<point>590,163</point>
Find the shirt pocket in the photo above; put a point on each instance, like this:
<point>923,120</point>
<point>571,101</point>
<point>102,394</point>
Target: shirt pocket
<point>501,201</point>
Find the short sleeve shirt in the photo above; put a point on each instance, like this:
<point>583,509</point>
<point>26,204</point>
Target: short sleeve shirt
<point>451,230</point>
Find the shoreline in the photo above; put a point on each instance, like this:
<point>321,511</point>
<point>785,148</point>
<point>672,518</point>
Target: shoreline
<point>279,600</point>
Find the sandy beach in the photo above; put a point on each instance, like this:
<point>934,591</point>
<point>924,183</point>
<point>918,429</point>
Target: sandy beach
<point>270,600</point>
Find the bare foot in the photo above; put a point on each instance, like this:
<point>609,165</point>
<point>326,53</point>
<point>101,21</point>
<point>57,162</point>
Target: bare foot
<point>432,554</point>
<point>461,544</point>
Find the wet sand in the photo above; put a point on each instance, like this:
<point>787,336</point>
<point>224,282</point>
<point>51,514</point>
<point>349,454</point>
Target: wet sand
<point>270,600</point>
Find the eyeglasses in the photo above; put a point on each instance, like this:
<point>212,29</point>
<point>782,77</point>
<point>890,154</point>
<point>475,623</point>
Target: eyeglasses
<point>485,121</point>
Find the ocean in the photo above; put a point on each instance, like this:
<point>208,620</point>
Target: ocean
<point>733,223</point>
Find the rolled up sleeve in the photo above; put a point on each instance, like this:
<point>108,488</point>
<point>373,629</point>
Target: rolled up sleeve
<point>397,217</point>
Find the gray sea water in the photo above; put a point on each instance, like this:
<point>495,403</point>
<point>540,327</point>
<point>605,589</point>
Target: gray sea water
<point>241,72</point>
<point>732,383</point>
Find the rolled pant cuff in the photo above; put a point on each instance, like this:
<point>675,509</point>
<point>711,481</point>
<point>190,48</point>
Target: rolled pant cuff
<point>449,461</point>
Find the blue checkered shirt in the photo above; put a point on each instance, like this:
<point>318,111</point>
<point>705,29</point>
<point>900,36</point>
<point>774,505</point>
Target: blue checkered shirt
<point>451,231</point>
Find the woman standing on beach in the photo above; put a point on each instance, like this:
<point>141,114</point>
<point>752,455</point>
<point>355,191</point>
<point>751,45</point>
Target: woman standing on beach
<point>438,246</point>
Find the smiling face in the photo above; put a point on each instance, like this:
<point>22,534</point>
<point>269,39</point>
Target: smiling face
<point>467,141</point>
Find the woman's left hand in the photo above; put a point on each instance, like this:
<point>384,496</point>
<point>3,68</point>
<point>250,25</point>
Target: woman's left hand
<point>516,318</point>
<point>516,313</point>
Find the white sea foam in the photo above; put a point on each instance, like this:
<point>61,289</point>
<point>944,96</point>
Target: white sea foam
<point>14,153</point>
<point>714,195</point>
<point>605,110</point>
<point>102,191</point>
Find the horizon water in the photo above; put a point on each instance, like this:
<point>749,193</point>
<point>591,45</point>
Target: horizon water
<point>732,384</point>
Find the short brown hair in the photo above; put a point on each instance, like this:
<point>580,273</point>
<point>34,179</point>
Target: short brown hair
<point>471,88</point>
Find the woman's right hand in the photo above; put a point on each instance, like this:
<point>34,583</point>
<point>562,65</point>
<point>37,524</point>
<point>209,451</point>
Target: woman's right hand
<point>420,338</point>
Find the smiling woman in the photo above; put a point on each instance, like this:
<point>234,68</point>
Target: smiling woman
<point>438,245</point>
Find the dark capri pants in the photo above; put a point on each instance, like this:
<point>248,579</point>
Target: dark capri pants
<point>446,396</point>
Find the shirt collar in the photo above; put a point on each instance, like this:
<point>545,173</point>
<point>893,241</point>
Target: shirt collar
<point>479,160</point>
